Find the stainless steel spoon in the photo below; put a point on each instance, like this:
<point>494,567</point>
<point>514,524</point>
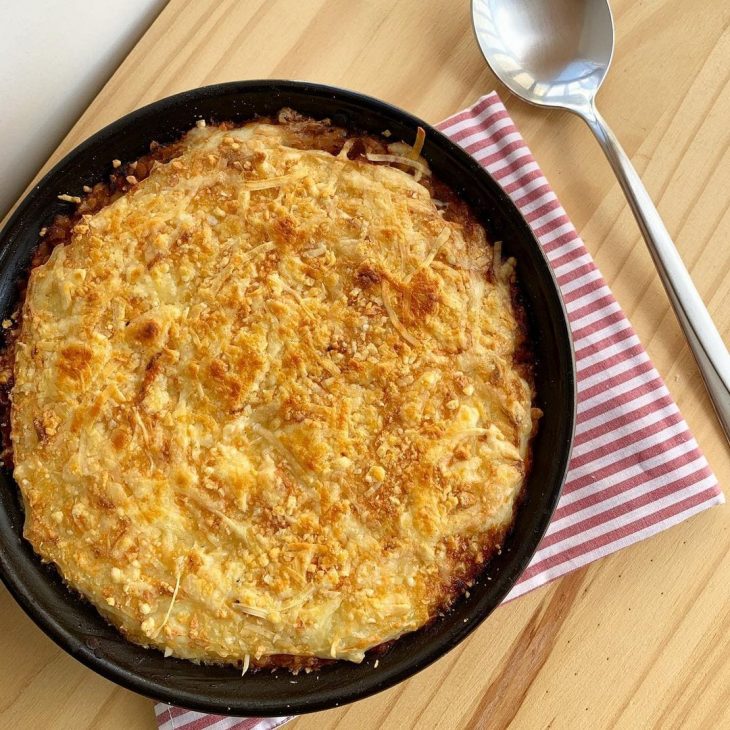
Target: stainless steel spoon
<point>556,53</point>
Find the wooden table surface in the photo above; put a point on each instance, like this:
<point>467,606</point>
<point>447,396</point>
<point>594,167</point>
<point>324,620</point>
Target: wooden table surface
<point>636,640</point>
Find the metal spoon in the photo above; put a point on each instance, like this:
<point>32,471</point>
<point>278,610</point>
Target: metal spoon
<point>556,53</point>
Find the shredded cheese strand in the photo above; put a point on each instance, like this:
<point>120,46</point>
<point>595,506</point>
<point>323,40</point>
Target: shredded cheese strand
<point>271,182</point>
<point>300,600</point>
<point>169,608</point>
<point>342,154</point>
<point>294,464</point>
<point>251,610</point>
<point>261,248</point>
<point>248,256</point>
<point>289,290</point>
<point>418,144</point>
<point>440,241</point>
<point>400,160</point>
<point>397,324</point>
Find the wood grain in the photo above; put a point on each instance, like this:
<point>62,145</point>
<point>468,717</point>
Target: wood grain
<point>635,640</point>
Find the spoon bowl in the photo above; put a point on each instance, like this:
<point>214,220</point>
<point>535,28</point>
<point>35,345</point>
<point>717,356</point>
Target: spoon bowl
<point>556,53</point>
<point>552,53</point>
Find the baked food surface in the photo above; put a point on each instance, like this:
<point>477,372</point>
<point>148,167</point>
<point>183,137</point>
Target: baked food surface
<point>272,400</point>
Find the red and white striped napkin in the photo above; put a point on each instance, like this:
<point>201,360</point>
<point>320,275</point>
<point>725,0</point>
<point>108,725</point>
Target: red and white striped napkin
<point>635,468</point>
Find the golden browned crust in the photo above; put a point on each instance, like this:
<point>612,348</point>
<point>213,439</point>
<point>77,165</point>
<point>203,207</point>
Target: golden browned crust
<point>272,400</point>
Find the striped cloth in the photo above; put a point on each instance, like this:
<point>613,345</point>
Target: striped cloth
<point>635,468</point>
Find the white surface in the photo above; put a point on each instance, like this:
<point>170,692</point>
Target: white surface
<point>54,58</point>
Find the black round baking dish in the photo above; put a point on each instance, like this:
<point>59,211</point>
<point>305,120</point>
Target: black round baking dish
<point>78,628</point>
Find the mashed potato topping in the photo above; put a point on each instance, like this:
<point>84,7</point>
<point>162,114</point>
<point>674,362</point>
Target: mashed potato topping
<point>271,401</point>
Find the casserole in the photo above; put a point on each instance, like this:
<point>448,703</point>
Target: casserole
<point>77,627</point>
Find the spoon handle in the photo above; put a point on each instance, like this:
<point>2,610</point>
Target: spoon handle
<point>704,339</point>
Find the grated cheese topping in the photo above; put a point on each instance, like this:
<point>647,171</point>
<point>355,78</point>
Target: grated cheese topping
<point>266,402</point>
